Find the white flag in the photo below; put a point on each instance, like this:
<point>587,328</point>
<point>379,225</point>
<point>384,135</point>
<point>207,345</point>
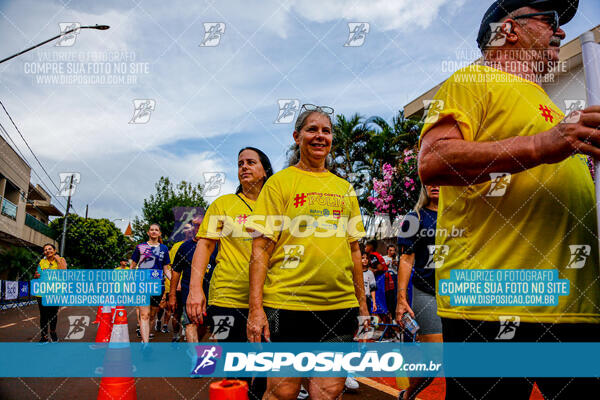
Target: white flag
<point>12,290</point>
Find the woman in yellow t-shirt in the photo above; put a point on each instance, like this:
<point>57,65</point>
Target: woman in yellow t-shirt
<point>306,279</point>
<point>49,314</point>
<point>225,222</point>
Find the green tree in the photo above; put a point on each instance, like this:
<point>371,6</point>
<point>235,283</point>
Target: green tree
<point>92,243</point>
<point>158,208</point>
<point>19,263</point>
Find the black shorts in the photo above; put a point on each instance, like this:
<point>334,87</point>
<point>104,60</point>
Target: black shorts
<point>312,326</point>
<point>458,330</point>
<point>155,300</point>
<point>227,324</point>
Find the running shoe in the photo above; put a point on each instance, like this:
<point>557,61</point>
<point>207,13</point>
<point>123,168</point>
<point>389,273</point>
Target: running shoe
<point>157,326</point>
<point>165,329</point>
<point>151,335</point>
<point>351,383</point>
<point>176,339</point>
<point>54,336</point>
<point>401,395</point>
<point>44,339</point>
<point>303,394</point>
<point>137,332</point>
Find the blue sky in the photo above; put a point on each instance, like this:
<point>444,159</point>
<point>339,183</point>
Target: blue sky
<point>211,101</point>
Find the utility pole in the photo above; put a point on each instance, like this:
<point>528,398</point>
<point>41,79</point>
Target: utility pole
<point>64,232</point>
<point>86,211</point>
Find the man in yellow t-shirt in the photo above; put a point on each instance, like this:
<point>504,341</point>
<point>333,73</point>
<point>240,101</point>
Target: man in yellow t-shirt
<point>516,194</point>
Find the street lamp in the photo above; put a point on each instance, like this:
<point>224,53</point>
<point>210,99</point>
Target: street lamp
<point>99,27</point>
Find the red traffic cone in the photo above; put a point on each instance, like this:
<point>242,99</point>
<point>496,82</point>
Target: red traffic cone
<point>105,325</point>
<point>97,320</point>
<point>118,362</point>
<point>228,390</point>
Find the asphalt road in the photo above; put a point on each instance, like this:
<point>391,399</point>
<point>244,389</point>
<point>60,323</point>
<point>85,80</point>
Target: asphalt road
<point>21,325</point>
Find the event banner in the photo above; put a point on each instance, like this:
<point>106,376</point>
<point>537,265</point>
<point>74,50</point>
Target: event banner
<point>212,359</point>
<point>97,287</point>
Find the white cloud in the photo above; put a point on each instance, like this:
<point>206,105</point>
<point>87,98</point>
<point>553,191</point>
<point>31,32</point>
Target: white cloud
<point>386,15</point>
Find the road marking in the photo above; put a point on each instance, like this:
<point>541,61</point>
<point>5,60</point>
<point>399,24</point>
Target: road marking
<point>7,325</point>
<point>29,319</point>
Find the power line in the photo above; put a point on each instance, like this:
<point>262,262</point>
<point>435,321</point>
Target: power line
<point>32,170</point>
<point>27,144</point>
<point>23,157</point>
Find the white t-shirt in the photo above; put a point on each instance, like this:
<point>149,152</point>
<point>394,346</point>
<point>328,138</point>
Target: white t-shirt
<point>393,268</point>
<point>369,281</point>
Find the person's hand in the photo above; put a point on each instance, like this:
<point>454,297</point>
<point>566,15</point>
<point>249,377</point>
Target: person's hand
<point>196,306</point>
<point>257,325</point>
<point>172,305</point>
<point>374,307</point>
<point>577,133</point>
<point>401,308</point>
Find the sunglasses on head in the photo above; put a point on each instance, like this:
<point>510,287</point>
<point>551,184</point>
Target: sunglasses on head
<point>552,18</point>
<point>311,107</point>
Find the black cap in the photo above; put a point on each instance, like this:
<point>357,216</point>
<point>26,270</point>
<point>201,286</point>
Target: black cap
<point>501,8</point>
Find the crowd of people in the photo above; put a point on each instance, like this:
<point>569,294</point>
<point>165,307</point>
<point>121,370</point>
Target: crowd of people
<point>287,255</point>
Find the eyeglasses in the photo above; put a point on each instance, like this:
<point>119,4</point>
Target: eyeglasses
<point>312,107</point>
<point>552,18</point>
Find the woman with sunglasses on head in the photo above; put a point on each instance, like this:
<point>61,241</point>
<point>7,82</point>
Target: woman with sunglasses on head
<point>151,255</point>
<point>306,278</point>
<point>49,314</point>
<point>224,222</point>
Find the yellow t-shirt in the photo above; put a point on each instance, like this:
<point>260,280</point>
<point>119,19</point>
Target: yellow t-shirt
<point>45,264</point>
<point>311,264</point>
<point>525,221</point>
<point>172,253</point>
<point>225,221</point>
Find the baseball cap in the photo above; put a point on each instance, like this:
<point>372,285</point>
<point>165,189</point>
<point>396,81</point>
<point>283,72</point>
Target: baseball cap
<point>501,8</point>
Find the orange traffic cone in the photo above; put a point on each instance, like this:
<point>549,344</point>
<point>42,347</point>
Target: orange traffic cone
<point>105,325</point>
<point>118,362</point>
<point>97,320</point>
<point>228,390</point>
